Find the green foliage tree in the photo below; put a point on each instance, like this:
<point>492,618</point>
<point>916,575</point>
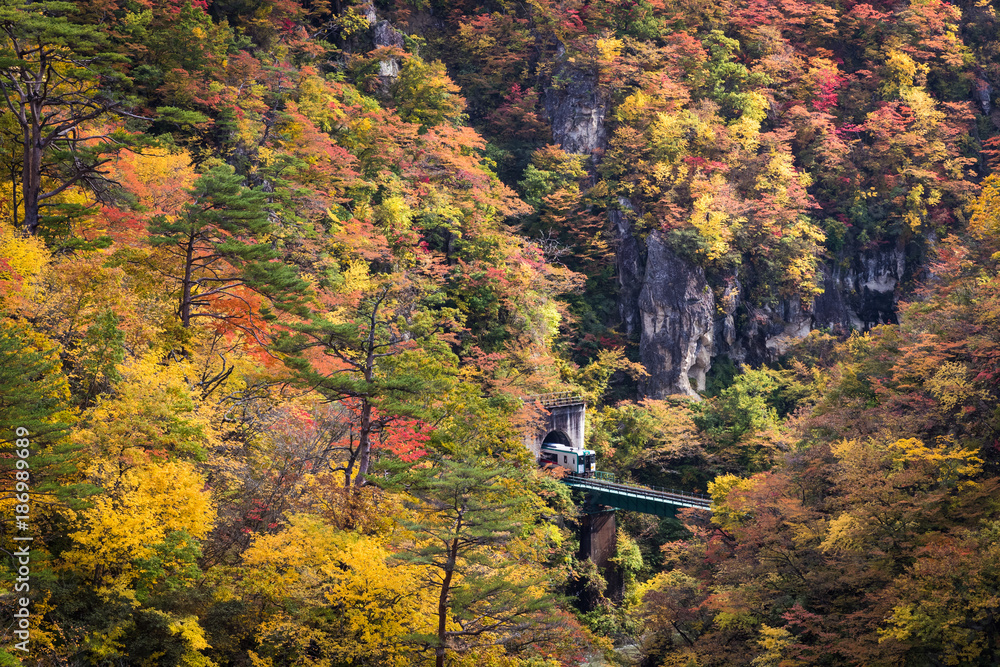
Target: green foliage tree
<point>655,441</point>
<point>58,82</point>
<point>740,412</point>
<point>34,409</point>
<point>224,254</point>
<point>34,390</point>
<point>100,352</point>
<point>383,360</point>
<point>468,519</point>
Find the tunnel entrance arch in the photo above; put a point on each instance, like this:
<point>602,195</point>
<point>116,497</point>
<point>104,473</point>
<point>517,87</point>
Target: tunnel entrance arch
<point>563,422</point>
<point>557,438</point>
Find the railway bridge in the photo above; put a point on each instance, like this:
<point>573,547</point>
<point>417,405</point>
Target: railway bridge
<point>603,490</point>
<point>566,424</point>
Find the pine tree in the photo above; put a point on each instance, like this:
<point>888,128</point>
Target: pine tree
<point>34,418</point>
<point>468,517</point>
<point>57,80</point>
<point>222,241</point>
<point>384,360</point>
<point>33,389</point>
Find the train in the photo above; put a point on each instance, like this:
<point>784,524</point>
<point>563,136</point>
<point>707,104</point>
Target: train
<point>577,461</point>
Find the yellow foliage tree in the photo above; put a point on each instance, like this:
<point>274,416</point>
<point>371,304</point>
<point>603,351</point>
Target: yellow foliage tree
<point>23,260</point>
<point>984,225</point>
<point>334,596</point>
<point>727,507</point>
<point>142,506</point>
<point>154,411</point>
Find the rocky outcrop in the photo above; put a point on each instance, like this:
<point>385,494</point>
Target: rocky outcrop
<point>726,339</point>
<point>858,294</point>
<point>630,266</point>
<point>771,329</point>
<point>861,292</point>
<point>677,310</point>
<point>983,93</point>
<point>385,35</point>
<point>576,106</point>
<point>683,329</point>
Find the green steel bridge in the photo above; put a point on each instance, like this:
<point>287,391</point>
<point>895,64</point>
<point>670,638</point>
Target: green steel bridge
<point>602,489</point>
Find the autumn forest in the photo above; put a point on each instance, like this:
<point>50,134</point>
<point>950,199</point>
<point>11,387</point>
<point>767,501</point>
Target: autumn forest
<point>280,281</point>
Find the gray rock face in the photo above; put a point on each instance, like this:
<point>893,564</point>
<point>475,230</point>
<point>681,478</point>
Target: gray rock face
<point>726,339</point>
<point>856,297</point>
<point>677,309</point>
<point>772,329</point>
<point>682,330</point>
<point>576,106</point>
<point>983,91</point>
<point>863,294</point>
<point>630,268</point>
<point>383,34</point>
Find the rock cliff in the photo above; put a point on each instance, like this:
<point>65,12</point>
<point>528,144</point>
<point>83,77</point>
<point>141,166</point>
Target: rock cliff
<point>385,35</point>
<point>677,312</point>
<point>576,106</point>
<point>671,307</point>
<point>860,291</point>
<point>683,327</point>
<point>630,267</point>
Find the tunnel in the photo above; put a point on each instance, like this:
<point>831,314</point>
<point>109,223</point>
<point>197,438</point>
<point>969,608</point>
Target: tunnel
<point>557,438</point>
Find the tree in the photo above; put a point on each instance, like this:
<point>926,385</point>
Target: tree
<point>741,420</point>
<point>331,597</point>
<point>945,602</point>
<point>656,440</point>
<point>470,523</point>
<point>376,351</point>
<point>129,598</point>
<point>55,80</point>
<point>221,241</point>
<point>34,409</point>
<point>425,95</point>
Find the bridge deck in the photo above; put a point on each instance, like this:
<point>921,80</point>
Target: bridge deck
<point>660,502</point>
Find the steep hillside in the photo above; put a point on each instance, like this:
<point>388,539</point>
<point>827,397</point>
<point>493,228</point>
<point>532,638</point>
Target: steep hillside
<point>279,280</point>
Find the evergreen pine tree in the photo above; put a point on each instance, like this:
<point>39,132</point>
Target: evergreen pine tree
<point>34,409</point>
<point>466,517</point>
<point>383,360</point>
<point>221,240</point>
<point>58,79</point>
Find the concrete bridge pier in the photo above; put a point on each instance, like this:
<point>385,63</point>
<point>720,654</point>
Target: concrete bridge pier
<point>599,538</point>
<point>599,544</point>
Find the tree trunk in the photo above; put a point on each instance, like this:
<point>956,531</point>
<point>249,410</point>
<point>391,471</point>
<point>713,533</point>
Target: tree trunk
<point>31,181</point>
<point>31,217</point>
<point>185,309</point>
<point>439,651</point>
<point>364,442</point>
